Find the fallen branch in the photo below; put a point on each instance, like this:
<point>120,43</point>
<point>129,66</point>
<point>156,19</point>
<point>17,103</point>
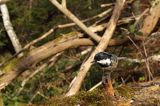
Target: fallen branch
<point>151,20</point>
<point>150,58</point>
<point>76,20</point>
<point>101,47</point>
<point>49,64</point>
<point>95,86</point>
<point>64,3</point>
<point>40,38</point>
<point>37,55</point>
<point>88,19</point>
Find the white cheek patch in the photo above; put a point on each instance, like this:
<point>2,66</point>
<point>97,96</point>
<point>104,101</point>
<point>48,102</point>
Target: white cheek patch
<point>104,61</point>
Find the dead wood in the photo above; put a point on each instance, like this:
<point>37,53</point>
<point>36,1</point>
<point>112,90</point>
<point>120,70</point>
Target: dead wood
<point>64,3</point>
<point>101,47</point>
<point>40,38</point>
<point>151,20</point>
<point>49,64</point>
<point>9,28</point>
<point>32,56</point>
<point>76,20</point>
<point>37,55</point>
<point>52,48</point>
<point>3,1</point>
<point>100,15</point>
<point>145,30</point>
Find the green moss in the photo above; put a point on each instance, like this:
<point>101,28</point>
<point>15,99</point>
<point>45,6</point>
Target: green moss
<point>125,91</point>
<point>9,65</point>
<point>94,98</point>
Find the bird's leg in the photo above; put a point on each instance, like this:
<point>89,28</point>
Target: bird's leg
<point>107,83</point>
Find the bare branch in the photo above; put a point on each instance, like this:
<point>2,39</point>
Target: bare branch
<point>50,63</point>
<point>95,86</point>
<point>101,47</point>
<point>150,58</point>
<point>37,55</point>
<point>104,13</point>
<point>64,4</point>
<point>76,20</point>
<point>151,20</point>
<point>40,38</point>
<point>9,28</point>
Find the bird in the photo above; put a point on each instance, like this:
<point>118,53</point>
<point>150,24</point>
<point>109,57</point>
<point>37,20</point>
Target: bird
<point>108,62</point>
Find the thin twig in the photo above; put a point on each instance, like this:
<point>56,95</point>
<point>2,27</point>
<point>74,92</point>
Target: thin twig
<point>150,75</point>
<point>40,38</point>
<point>95,86</point>
<point>25,48</point>
<point>100,15</point>
<point>76,20</point>
<point>140,16</point>
<point>37,93</point>
<point>49,64</point>
<point>135,45</point>
<point>101,47</point>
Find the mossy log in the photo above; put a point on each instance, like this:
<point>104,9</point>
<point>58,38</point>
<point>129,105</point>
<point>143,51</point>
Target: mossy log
<point>17,66</point>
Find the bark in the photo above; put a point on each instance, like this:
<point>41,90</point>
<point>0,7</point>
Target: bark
<point>151,20</point>
<point>9,28</point>
<point>3,1</point>
<point>37,55</point>
<point>57,45</point>
<point>149,23</point>
<point>41,68</point>
<point>54,47</point>
<point>101,47</point>
<point>64,3</point>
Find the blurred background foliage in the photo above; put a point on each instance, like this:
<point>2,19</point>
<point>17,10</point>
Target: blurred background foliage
<point>31,19</point>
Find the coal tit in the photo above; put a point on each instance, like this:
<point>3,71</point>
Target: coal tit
<point>106,59</point>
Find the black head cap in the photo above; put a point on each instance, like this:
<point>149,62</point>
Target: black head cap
<point>102,55</point>
<point>105,59</point>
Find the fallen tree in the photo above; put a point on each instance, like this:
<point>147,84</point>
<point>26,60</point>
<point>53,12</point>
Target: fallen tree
<point>60,44</point>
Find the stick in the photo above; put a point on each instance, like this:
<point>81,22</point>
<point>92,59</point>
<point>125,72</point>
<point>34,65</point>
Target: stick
<point>101,47</point>
<point>9,28</point>
<point>76,20</point>
<point>95,86</point>
<point>50,63</point>
<point>104,13</point>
